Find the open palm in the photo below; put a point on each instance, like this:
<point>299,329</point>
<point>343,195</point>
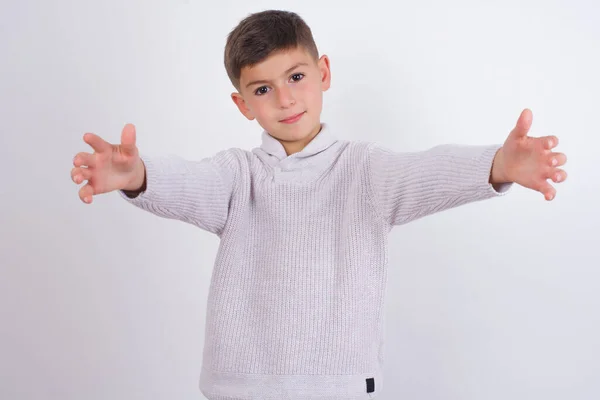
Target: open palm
<point>531,161</point>
<point>110,167</point>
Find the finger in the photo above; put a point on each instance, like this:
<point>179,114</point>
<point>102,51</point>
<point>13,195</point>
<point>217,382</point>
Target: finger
<point>558,175</point>
<point>79,175</point>
<point>547,190</point>
<point>86,193</point>
<point>128,138</point>
<point>98,144</point>
<point>557,159</point>
<point>84,160</point>
<point>523,125</point>
<point>549,142</point>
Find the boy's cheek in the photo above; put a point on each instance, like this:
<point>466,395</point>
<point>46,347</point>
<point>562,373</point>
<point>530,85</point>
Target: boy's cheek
<point>316,98</point>
<point>258,110</point>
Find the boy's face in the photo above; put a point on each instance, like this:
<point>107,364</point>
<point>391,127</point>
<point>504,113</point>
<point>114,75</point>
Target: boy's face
<point>285,85</point>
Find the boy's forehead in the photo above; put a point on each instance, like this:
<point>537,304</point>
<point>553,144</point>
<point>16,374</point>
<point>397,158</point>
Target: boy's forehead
<point>275,65</point>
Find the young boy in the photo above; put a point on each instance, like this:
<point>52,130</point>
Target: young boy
<point>299,282</point>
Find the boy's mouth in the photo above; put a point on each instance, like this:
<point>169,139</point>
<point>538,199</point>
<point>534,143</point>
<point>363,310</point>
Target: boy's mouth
<point>293,118</point>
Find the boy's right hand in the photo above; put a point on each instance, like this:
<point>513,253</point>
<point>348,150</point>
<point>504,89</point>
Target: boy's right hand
<point>110,167</point>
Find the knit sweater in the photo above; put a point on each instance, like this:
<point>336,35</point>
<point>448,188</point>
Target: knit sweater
<point>296,299</point>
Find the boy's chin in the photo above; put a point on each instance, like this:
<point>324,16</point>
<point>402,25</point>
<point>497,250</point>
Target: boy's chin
<point>291,132</point>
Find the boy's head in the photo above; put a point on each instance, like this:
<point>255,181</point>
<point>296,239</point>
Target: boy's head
<point>273,62</point>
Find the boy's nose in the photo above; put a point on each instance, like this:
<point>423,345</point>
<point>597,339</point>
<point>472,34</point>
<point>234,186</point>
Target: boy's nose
<point>285,97</point>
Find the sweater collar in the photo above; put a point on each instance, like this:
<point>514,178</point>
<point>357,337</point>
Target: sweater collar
<point>323,140</point>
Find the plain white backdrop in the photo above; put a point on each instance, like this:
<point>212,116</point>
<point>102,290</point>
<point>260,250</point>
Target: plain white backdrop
<point>493,300</point>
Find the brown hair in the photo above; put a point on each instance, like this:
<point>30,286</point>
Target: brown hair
<point>260,34</point>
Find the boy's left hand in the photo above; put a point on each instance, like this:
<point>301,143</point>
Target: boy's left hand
<point>529,161</point>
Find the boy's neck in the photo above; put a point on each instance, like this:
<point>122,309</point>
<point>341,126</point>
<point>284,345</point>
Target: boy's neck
<point>299,145</point>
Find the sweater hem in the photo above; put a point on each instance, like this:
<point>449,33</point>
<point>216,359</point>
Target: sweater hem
<point>238,386</point>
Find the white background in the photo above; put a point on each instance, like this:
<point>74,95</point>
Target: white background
<point>494,300</point>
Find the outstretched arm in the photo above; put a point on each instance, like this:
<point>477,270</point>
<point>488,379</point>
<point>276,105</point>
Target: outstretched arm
<point>407,186</point>
<point>193,191</point>
<point>197,192</point>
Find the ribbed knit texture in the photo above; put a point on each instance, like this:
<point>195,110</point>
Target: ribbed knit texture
<point>296,300</point>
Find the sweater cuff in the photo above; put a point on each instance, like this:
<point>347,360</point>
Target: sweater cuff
<point>150,194</point>
<point>484,173</point>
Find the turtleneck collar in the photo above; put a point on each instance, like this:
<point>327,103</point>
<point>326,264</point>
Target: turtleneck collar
<point>323,140</point>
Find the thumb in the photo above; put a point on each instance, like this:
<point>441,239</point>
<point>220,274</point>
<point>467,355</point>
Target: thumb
<point>128,139</point>
<point>523,125</point>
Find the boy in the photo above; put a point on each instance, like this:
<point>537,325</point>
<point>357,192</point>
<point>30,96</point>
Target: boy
<point>298,286</point>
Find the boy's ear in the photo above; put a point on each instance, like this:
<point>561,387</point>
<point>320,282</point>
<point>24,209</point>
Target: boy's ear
<point>241,105</point>
<point>325,69</point>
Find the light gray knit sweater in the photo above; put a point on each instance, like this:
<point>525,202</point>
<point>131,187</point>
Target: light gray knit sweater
<point>295,307</point>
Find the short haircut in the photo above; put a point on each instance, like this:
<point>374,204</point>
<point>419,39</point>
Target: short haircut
<point>261,34</point>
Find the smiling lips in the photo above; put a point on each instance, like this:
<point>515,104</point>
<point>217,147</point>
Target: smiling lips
<point>292,119</point>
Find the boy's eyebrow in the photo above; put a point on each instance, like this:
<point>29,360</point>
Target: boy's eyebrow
<point>285,73</point>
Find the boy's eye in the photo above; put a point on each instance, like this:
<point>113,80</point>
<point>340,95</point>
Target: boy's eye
<point>295,75</point>
<point>260,90</point>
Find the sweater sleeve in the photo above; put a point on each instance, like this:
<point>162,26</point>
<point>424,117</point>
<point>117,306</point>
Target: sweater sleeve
<point>196,192</point>
<point>411,185</point>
